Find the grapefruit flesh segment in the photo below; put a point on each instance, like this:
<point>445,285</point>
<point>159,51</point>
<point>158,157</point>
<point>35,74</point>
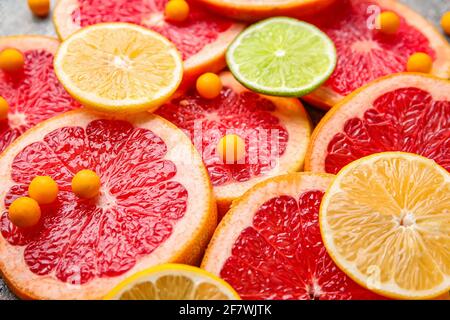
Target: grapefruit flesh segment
<point>365,54</point>
<point>202,39</point>
<point>269,245</point>
<point>275,131</point>
<point>404,112</point>
<point>142,202</point>
<point>34,94</point>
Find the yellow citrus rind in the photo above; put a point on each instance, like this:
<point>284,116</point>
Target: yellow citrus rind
<point>173,282</point>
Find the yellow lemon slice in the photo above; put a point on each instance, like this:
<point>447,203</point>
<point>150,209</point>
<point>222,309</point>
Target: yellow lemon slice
<point>173,282</point>
<point>119,67</point>
<point>385,221</point>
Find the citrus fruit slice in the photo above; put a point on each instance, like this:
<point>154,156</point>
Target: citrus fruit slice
<point>155,204</point>
<point>119,67</point>
<point>385,221</point>
<point>202,39</point>
<point>282,57</point>
<point>402,112</point>
<point>34,94</point>
<point>268,246</point>
<point>173,282</point>
<point>276,133</point>
<point>259,9</point>
<point>364,53</point>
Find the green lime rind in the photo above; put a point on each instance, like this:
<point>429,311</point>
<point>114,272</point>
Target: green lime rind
<point>282,57</point>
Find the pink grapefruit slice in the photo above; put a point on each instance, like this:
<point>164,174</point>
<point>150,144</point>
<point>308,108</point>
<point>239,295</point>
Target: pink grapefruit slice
<point>403,112</point>
<point>276,132</point>
<point>365,54</point>
<point>34,94</point>
<point>269,246</point>
<point>259,9</point>
<point>202,39</point>
<point>155,205</point>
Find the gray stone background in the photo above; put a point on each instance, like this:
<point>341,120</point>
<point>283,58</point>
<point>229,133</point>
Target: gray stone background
<point>15,18</point>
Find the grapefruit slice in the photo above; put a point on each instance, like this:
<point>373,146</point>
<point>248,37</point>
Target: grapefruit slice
<point>365,54</point>
<point>155,206</point>
<point>403,112</point>
<point>276,132</point>
<point>34,94</point>
<point>268,246</point>
<point>173,282</point>
<point>385,221</point>
<point>202,39</point>
<point>259,9</point>
<point>119,67</point>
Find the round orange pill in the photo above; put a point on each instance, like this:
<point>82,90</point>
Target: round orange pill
<point>24,212</point>
<point>419,62</point>
<point>389,22</point>
<point>4,109</point>
<point>177,10</point>
<point>86,184</point>
<point>231,148</point>
<point>445,22</point>
<point>209,85</point>
<point>43,189</point>
<point>40,8</point>
<point>11,60</point>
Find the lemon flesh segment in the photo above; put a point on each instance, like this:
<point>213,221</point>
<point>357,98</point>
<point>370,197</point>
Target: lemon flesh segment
<point>173,282</point>
<point>208,291</point>
<point>141,291</point>
<point>174,287</point>
<point>119,66</point>
<point>171,287</point>
<point>386,222</point>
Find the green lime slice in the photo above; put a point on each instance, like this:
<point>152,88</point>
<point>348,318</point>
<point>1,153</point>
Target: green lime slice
<point>282,57</point>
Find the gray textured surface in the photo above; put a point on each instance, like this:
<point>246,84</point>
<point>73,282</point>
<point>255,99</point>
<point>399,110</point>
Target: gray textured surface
<point>15,18</point>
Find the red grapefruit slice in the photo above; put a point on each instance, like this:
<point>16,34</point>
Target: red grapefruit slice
<point>365,54</point>
<point>269,246</point>
<point>155,205</point>
<point>276,133</point>
<point>403,112</point>
<point>34,94</point>
<point>259,9</point>
<point>202,39</point>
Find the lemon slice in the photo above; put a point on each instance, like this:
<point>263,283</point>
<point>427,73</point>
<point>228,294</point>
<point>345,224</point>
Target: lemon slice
<point>385,221</point>
<point>119,67</point>
<point>173,282</point>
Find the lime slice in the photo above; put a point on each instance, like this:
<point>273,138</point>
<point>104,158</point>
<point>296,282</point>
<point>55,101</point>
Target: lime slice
<point>282,57</point>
